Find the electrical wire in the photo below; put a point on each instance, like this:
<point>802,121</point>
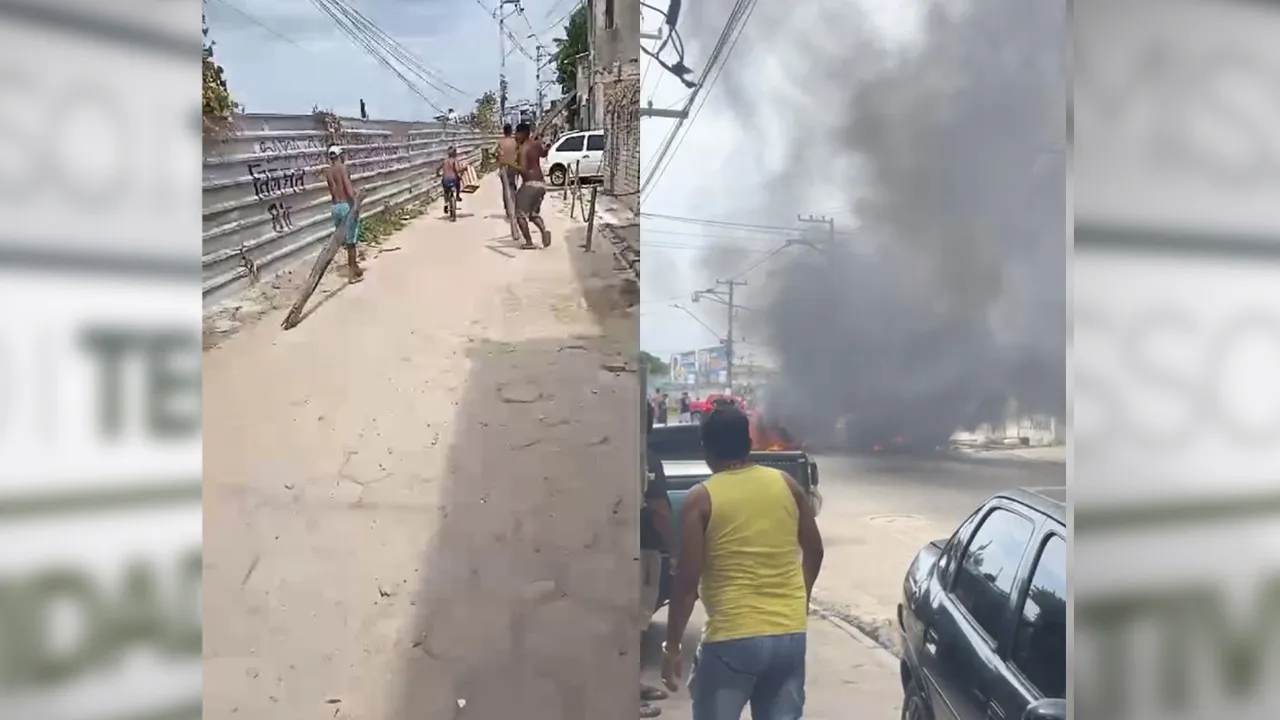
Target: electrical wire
<point>763,260</point>
<point>397,50</point>
<point>649,232</point>
<point>506,31</point>
<point>736,28</point>
<point>259,23</point>
<point>701,248</point>
<point>569,13</point>
<point>362,39</point>
<point>658,165</point>
<point>752,227</point>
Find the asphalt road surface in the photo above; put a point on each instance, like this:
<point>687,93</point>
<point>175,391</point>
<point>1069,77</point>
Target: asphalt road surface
<point>878,511</point>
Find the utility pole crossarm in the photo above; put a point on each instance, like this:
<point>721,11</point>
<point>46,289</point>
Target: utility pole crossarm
<point>820,220</point>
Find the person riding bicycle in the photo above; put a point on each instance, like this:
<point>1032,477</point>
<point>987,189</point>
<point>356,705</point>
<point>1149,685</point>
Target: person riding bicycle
<point>451,175</point>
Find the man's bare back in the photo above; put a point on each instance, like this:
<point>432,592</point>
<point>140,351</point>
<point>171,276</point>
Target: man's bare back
<point>531,154</point>
<point>339,182</point>
<point>508,151</point>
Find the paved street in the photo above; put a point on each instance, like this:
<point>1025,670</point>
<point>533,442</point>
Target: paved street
<point>846,675</point>
<point>409,503</point>
<point>877,512</point>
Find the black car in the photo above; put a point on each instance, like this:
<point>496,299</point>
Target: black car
<point>983,619</point>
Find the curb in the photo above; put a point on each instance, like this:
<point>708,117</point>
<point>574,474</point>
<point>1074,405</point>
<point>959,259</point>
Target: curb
<point>883,656</point>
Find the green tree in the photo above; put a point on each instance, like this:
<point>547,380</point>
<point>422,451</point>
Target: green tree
<point>568,48</point>
<point>217,106</point>
<point>485,116</point>
<point>652,365</point>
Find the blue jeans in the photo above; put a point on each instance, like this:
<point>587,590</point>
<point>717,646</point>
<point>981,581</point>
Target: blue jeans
<point>765,672</point>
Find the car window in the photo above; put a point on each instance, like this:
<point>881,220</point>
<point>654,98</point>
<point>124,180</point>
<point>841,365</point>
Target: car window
<point>985,574</point>
<point>951,551</point>
<point>595,142</point>
<point>1040,641</point>
<point>572,143</point>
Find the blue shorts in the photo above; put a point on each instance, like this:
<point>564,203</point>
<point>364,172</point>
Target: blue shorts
<point>766,673</point>
<point>340,212</point>
<point>450,183</point>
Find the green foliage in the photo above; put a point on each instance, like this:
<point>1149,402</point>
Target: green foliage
<point>568,48</point>
<point>652,365</point>
<point>485,116</point>
<point>217,107</point>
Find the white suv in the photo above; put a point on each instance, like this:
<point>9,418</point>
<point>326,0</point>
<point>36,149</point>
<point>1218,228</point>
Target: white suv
<point>583,150</point>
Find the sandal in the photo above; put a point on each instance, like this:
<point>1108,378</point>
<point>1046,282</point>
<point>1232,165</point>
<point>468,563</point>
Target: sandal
<point>649,711</point>
<point>649,693</point>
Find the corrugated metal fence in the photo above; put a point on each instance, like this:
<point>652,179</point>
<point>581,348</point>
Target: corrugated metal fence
<point>266,205</point>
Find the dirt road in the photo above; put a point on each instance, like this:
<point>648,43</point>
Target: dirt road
<point>419,503</point>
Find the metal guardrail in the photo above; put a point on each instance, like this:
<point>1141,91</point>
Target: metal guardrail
<point>265,203</point>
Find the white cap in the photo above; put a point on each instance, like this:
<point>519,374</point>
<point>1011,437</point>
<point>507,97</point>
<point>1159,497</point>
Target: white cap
<point>335,150</point>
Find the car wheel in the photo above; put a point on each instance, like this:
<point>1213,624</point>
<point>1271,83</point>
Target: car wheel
<point>913,704</point>
<point>697,418</point>
<point>557,175</point>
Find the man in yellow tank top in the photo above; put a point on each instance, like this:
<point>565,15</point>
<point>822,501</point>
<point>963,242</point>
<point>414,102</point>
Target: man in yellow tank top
<point>742,535</point>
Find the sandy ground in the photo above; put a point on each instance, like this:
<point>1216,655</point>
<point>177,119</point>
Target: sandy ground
<point>846,675</point>
<point>419,503</point>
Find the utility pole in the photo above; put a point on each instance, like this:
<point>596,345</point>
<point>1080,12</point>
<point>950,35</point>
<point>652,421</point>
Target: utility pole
<point>728,299</point>
<point>537,76</point>
<point>502,51</point>
<point>728,341</point>
<point>821,220</point>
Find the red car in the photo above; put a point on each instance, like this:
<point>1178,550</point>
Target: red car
<point>699,409</point>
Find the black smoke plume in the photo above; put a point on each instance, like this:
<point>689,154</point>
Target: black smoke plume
<point>948,297</point>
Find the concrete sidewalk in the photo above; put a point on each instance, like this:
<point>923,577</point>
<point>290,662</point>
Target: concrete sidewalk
<point>847,674</point>
<point>412,503</point>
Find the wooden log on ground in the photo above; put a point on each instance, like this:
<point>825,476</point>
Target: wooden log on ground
<point>327,253</point>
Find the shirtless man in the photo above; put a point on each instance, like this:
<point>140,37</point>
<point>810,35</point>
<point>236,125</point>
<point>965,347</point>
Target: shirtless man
<point>508,167</point>
<point>343,195</point>
<point>451,175</point>
<point>532,187</point>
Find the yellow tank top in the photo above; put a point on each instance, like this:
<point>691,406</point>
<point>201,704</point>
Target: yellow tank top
<point>752,581</point>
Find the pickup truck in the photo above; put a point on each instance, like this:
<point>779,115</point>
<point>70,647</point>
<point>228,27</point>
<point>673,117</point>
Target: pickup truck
<point>983,617</point>
<point>679,447</point>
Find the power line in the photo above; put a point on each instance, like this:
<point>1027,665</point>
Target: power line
<point>363,39</point>
<point>669,139</point>
<point>736,29</point>
<point>510,35</point>
<point>646,232</point>
<point>259,23</point>
<point>569,13</point>
<point>707,222</point>
<point>699,248</point>
<point>397,50</point>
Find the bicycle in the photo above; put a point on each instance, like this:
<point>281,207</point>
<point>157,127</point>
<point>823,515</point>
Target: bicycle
<point>451,203</point>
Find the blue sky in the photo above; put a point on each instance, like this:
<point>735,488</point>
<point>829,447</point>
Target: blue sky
<point>711,177</point>
<point>303,60</point>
